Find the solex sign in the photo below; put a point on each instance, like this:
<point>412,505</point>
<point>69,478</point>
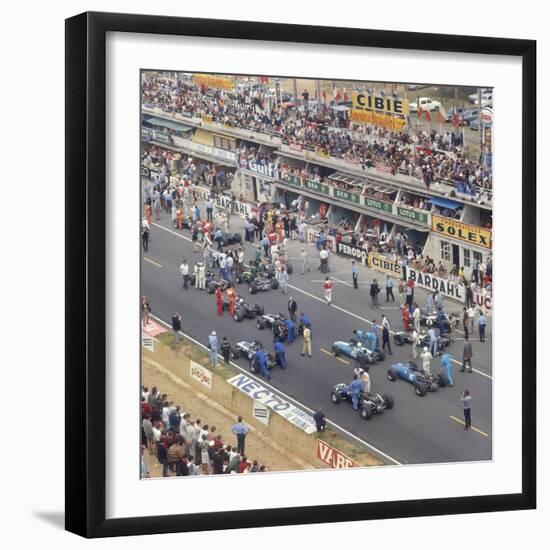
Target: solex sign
<point>333,457</point>
<point>472,234</point>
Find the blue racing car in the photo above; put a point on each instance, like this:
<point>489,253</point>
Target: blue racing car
<point>413,375</point>
<point>356,351</point>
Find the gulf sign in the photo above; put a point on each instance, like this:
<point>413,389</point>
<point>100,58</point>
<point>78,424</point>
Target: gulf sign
<point>333,457</point>
<point>387,104</point>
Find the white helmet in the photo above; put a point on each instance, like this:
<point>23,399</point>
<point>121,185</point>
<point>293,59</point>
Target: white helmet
<point>425,349</point>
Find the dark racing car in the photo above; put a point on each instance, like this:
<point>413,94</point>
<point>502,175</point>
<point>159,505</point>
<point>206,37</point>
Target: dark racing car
<point>248,350</point>
<point>429,318</point>
<point>212,282</point>
<point>244,310</point>
<point>402,338</point>
<point>261,284</point>
<point>409,372</point>
<point>369,403</point>
<point>226,239</point>
<point>269,320</point>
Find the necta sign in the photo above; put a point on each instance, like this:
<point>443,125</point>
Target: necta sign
<point>331,456</point>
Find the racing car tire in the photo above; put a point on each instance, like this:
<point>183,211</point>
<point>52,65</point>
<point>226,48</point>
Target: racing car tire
<point>211,288</point>
<point>398,339</point>
<point>235,353</point>
<point>253,288</point>
<point>335,398</point>
<point>388,400</point>
<point>274,284</point>
<point>442,381</point>
<point>420,390</point>
<point>260,323</point>
<point>259,309</point>
<point>335,351</point>
<point>237,238</point>
<point>392,375</point>
<point>366,413</point>
<point>238,315</point>
<point>381,354</point>
<point>289,268</point>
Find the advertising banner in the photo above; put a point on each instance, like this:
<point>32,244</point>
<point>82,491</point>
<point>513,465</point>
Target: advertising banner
<point>346,195</point>
<point>484,300</point>
<point>317,187</point>
<point>200,374</point>
<point>455,291</point>
<point>381,263</point>
<point>277,404</point>
<point>413,215</point>
<point>266,170</point>
<point>370,117</point>
<point>378,205</point>
<point>213,81</point>
<point>454,229</point>
<point>354,251</point>
<point>313,235</point>
<point>333,457</point>
<point>383,104</point>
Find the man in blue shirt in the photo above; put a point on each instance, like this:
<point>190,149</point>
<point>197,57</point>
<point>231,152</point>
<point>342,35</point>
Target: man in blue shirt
<point>265,244</point>
<point>262,363</point>
<point>354,273</point>
<point>482,324</point>
<point>305,321</point>
<point>447,365</point>
<point>389,289</point>
<point>240,430</point>
<point>433,341</point>
<point>356,388</point>
<point>280,353</point>
<point>213,341</point>
<point>290,331</point>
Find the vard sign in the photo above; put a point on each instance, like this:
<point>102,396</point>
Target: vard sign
<point>265,396</point>
<point>431,282</point>
<point>331,456</point>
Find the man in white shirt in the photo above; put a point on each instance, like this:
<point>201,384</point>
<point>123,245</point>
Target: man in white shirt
<point>323,256</point>
<point>416,318</point>
<point>184,272</point>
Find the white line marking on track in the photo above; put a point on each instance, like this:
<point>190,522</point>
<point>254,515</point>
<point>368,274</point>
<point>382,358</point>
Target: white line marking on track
<point>324,301</point>
<point>305,407</point>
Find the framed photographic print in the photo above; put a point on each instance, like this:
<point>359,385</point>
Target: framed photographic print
<point>291,256</point>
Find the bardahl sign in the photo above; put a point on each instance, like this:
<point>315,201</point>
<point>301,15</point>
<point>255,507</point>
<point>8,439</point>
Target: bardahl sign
<point>428,281</point>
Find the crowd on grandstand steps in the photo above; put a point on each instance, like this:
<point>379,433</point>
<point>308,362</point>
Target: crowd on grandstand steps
<point>431,158</point>
<point>188,447</point>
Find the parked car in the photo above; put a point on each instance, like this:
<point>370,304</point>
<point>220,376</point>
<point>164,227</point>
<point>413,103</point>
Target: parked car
<point>426,103</point>
<point>369,403</point>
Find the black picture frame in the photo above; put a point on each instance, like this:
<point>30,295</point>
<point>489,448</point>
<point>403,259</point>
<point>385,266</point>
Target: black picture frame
<point>86,269</point>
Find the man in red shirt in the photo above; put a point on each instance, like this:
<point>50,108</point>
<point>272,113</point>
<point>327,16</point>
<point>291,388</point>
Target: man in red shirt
<point>328,290</point>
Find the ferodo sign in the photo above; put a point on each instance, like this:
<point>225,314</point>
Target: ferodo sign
<point>454,291</point>
<point>352,250</point>
<point>377,261</point>
<point>200,374</point>
<point>333,457</point>
<point>472,234</point>
<point>387,104</point>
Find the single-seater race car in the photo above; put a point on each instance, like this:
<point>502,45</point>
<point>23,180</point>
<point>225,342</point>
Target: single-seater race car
<point>212,282</point>
<point>402,338</point>
<point>413,375</point>
<point>429,318</point>
<point>268,320</point>
<point>356,351</point>
<point>228,238</point>
<point>369,403</point>
<point>248,350</point>
<point>261,284</point>
<point>244,310</point>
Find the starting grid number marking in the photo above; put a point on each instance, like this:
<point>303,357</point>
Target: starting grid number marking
<point>334,357</point>
<point>472,427</point>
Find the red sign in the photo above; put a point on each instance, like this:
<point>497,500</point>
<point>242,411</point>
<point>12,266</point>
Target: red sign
<point>331,456</point>
<point>382,167</point>
<point>295,146</point>
<point>152,329</point>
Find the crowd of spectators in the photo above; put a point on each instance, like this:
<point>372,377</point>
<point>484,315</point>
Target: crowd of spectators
<point>431,158</point>
<point>183,446</point>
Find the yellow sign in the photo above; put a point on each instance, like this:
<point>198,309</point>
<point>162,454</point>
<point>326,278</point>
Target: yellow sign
<point>213,81</point>
<point>381,263</point>
<point>370,117</point>
<point>472,234</point>
<point>388,104</point>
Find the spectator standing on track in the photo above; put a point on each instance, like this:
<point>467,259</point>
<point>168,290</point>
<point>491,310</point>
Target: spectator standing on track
<point>305,261</point>
<point>200,276</point>
<point>447,365</point>
<point>292,308</point>
<point>209,209</point>
<point>426,357</point>
<point>176,326</point>
<point>354,274</point>
<point>467,355</point>
<point>386,334</point>
<point>414,344</point>
<point>466,400</point>
<point>213,341</point>
<point>471,316</point>
<point>328,290</point>
<point>374,290</point>
<point>482,325</point>
<point>145,239</point>
<point>320,420</point>
<point>323,257</point>
<point>265,244</point>
<point>465,322</point>
<point>145,310</point>
<point>283,280</point>
<point>433,341</point>
<point>416,317</point>
<point>240,429</point>
<point>184,272</point>
<point>409,292</point>
<point>219,300</point>
<point>389,289</point>
<point>225,349</point>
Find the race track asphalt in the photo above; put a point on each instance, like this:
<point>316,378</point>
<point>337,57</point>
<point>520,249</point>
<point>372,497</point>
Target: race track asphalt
<point>416,430</point>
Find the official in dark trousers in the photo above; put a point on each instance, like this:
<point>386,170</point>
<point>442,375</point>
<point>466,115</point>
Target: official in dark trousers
<point>225,349</point>
<point>292,308</point>
<point>354,274</point>
<point>467,355</point>
<point>466,399</point>
<point>465,321</point>
<point>240,429</point>
<point>320,420</point>
<point>389,289</point>
<point>176,326</point>
<point>386,334</point>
